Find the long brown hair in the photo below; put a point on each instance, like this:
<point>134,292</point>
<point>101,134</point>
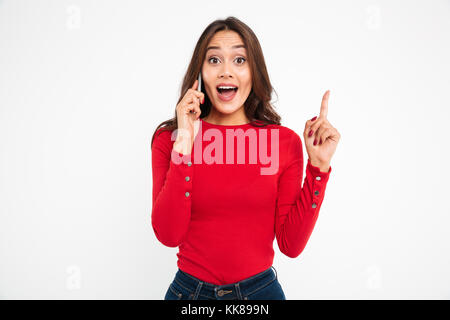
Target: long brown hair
<point>257,106</point>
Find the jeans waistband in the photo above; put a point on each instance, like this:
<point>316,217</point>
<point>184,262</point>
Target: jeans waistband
<point>238,290</point>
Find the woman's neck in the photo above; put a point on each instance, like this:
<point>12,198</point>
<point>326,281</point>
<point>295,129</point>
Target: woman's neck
<point>226,120</point>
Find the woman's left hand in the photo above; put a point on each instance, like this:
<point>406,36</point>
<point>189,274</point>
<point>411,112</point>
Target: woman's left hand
<point>320,137</point>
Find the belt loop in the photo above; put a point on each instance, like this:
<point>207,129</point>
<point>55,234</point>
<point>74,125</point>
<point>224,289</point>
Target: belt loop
<point>197,291</point>
<point>238,291</point>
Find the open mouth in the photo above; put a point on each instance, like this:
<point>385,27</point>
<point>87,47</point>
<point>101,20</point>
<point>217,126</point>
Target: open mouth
<point>226,93</point>
<point>226,89</point>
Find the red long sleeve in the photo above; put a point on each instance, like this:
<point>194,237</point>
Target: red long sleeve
<point>172,186</point>
<point>224,216</point>
<point>298,208</point>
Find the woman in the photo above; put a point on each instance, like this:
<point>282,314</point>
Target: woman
<point>218,201</point>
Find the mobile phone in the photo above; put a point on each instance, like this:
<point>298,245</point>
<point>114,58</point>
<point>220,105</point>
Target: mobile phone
<point>199,88</point>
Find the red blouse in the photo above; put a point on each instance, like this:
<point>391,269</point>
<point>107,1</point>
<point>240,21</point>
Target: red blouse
<point>224,203</point>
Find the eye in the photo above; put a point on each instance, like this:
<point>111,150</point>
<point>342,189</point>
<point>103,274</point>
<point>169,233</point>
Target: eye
<point>242,59</point>
<point>209,60</point>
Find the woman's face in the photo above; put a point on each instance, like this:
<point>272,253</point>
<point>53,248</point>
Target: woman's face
<point>226,63</point>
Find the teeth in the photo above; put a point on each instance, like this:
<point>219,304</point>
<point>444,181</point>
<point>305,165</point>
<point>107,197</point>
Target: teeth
<point>224,87</point>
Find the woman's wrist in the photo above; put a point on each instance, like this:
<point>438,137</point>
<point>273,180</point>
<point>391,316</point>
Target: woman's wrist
<point>324,167</point>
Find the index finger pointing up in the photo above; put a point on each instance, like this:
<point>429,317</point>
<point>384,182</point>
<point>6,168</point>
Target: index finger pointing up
<point>324,106</point>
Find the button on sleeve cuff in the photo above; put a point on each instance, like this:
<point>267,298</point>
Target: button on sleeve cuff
<point>316,173</point>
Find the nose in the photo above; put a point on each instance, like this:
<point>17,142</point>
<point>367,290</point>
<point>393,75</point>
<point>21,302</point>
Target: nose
<point>225,75</point>
<point>225,72</point>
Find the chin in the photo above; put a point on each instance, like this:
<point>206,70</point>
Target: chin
<point>227,108</point>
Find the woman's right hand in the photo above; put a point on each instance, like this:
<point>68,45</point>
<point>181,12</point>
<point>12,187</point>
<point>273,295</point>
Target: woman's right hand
<point>188,111</point>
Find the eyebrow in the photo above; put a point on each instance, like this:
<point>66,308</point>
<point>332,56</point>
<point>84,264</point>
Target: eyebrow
<point>234,47</point>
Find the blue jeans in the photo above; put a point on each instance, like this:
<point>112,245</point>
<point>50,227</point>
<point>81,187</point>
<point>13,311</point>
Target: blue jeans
<point>262,286</point>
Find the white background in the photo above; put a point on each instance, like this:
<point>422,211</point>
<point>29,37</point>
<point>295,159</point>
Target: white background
<point>83,85</point>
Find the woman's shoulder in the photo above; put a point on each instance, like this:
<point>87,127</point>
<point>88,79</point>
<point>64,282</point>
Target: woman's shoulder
<point>163,137</point>
<point>163,131</point>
